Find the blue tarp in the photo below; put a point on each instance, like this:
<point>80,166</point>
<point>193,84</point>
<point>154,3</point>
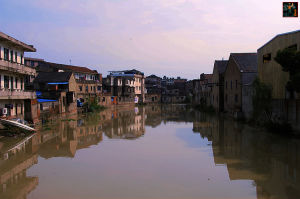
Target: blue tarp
<point>45,100</point>
<point>55,83</point>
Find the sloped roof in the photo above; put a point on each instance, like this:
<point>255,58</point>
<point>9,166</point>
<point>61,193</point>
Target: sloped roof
<point>247,62</point>
<point>279,35</point>
<point>65,67</point>
<point>221,65</point>
<point>48,77</point>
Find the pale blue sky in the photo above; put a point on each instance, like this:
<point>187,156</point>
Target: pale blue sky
<point>164,37</point>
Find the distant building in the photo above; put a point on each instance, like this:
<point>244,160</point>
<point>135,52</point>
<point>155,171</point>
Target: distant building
<point>173,90</point>
<point>126,86</point>
<point>15,99</point>
<point>153,88</point>
<point>239,75</point>
<point>206,89</point>
<point>218,85</point>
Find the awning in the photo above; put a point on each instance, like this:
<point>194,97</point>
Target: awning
<point>45,100</point>
<point>56,83</point>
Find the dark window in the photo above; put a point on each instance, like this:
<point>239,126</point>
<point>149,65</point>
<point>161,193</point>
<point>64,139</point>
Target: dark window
<point>21,84</point>
<point>11,82</point>
<point>103,99</point>
<point>236,98</point>
<point>32,63</point>
<point>21,108</point>
<point>293,47</point>
<point>91,88</point>
<point>11,56</point>
<point>99,88</point>
<point>267,58</point>
<point>94,88</point>
<point>16,110</point>
<point>16,86</point>
<point>21,58</point>
<point>80,88</point>
<point>86,89</point>
<point>16,57</point>
<point>41,107</point>
<point>6,54</point>
<point>6,81</point>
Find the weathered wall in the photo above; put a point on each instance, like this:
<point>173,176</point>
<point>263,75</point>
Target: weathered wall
<point>271,73</point>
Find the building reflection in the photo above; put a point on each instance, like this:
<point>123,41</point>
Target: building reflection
<point>17,155</point>
<point>270,161</point>
<point>126,124</point>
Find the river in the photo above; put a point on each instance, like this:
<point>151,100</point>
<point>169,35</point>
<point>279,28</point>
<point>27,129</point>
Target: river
<point>149,152</point>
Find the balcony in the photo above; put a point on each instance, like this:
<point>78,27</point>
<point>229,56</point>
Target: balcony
<point>16,94</point>
<point>16,68</point>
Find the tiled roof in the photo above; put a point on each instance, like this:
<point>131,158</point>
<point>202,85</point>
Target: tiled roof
<point>247,62</point>
<point>48,77</point>
<point>69,68</point>
<point>221,65</point>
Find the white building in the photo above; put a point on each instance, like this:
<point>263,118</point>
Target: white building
<point>15,101</point>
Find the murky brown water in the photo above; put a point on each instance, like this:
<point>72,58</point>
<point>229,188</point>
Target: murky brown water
<point>149,152</point>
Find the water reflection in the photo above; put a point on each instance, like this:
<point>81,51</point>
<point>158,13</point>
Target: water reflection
<point>271,163</point>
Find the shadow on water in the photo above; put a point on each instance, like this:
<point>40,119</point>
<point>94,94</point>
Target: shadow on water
<point>271,162</point>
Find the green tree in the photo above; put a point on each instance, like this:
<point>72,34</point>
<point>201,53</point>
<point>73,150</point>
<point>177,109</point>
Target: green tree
<point>289,59</point>
<point>262,101</point>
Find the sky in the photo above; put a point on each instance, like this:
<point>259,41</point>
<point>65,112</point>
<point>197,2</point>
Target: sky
<point>162,37</point>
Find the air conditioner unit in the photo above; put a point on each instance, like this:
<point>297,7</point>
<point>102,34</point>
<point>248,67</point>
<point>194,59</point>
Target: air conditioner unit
<point>4,111</point>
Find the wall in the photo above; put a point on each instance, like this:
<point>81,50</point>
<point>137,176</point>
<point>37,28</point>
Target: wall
<point>232,74</point>
<point>271,73</point>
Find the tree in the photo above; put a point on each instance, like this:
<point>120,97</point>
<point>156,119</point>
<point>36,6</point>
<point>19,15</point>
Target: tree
<point>262,101</point>
<point>289,59</point>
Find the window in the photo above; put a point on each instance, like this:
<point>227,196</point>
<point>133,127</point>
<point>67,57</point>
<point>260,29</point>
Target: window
<point>16,57</point>
<point>21,84</point>
<point>99,88</point>
<point>21,59</point>
<point>16,86</point>
<point>21,108</point>
<point>293,47</point>
<point>236,98</point>
<point>6,81</point>
<point>11,56</point>
<point>91,88</point>
<point>86,89</point>
<point>267,58</point>
<point>236,84</point>
<point>6,54</point>
<point>80,88</point>
<point>11,82</point>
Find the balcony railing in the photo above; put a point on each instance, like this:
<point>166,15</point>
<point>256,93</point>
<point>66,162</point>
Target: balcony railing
<point>16,94</point>
<point>16,68</point>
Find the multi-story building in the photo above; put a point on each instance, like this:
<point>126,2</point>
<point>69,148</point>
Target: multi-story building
<point>88,82</point>
<point>125,86</point>
<point>153,88</point>
<point>15,100</point>
<point>218,85</point>
<point>239,75</point>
